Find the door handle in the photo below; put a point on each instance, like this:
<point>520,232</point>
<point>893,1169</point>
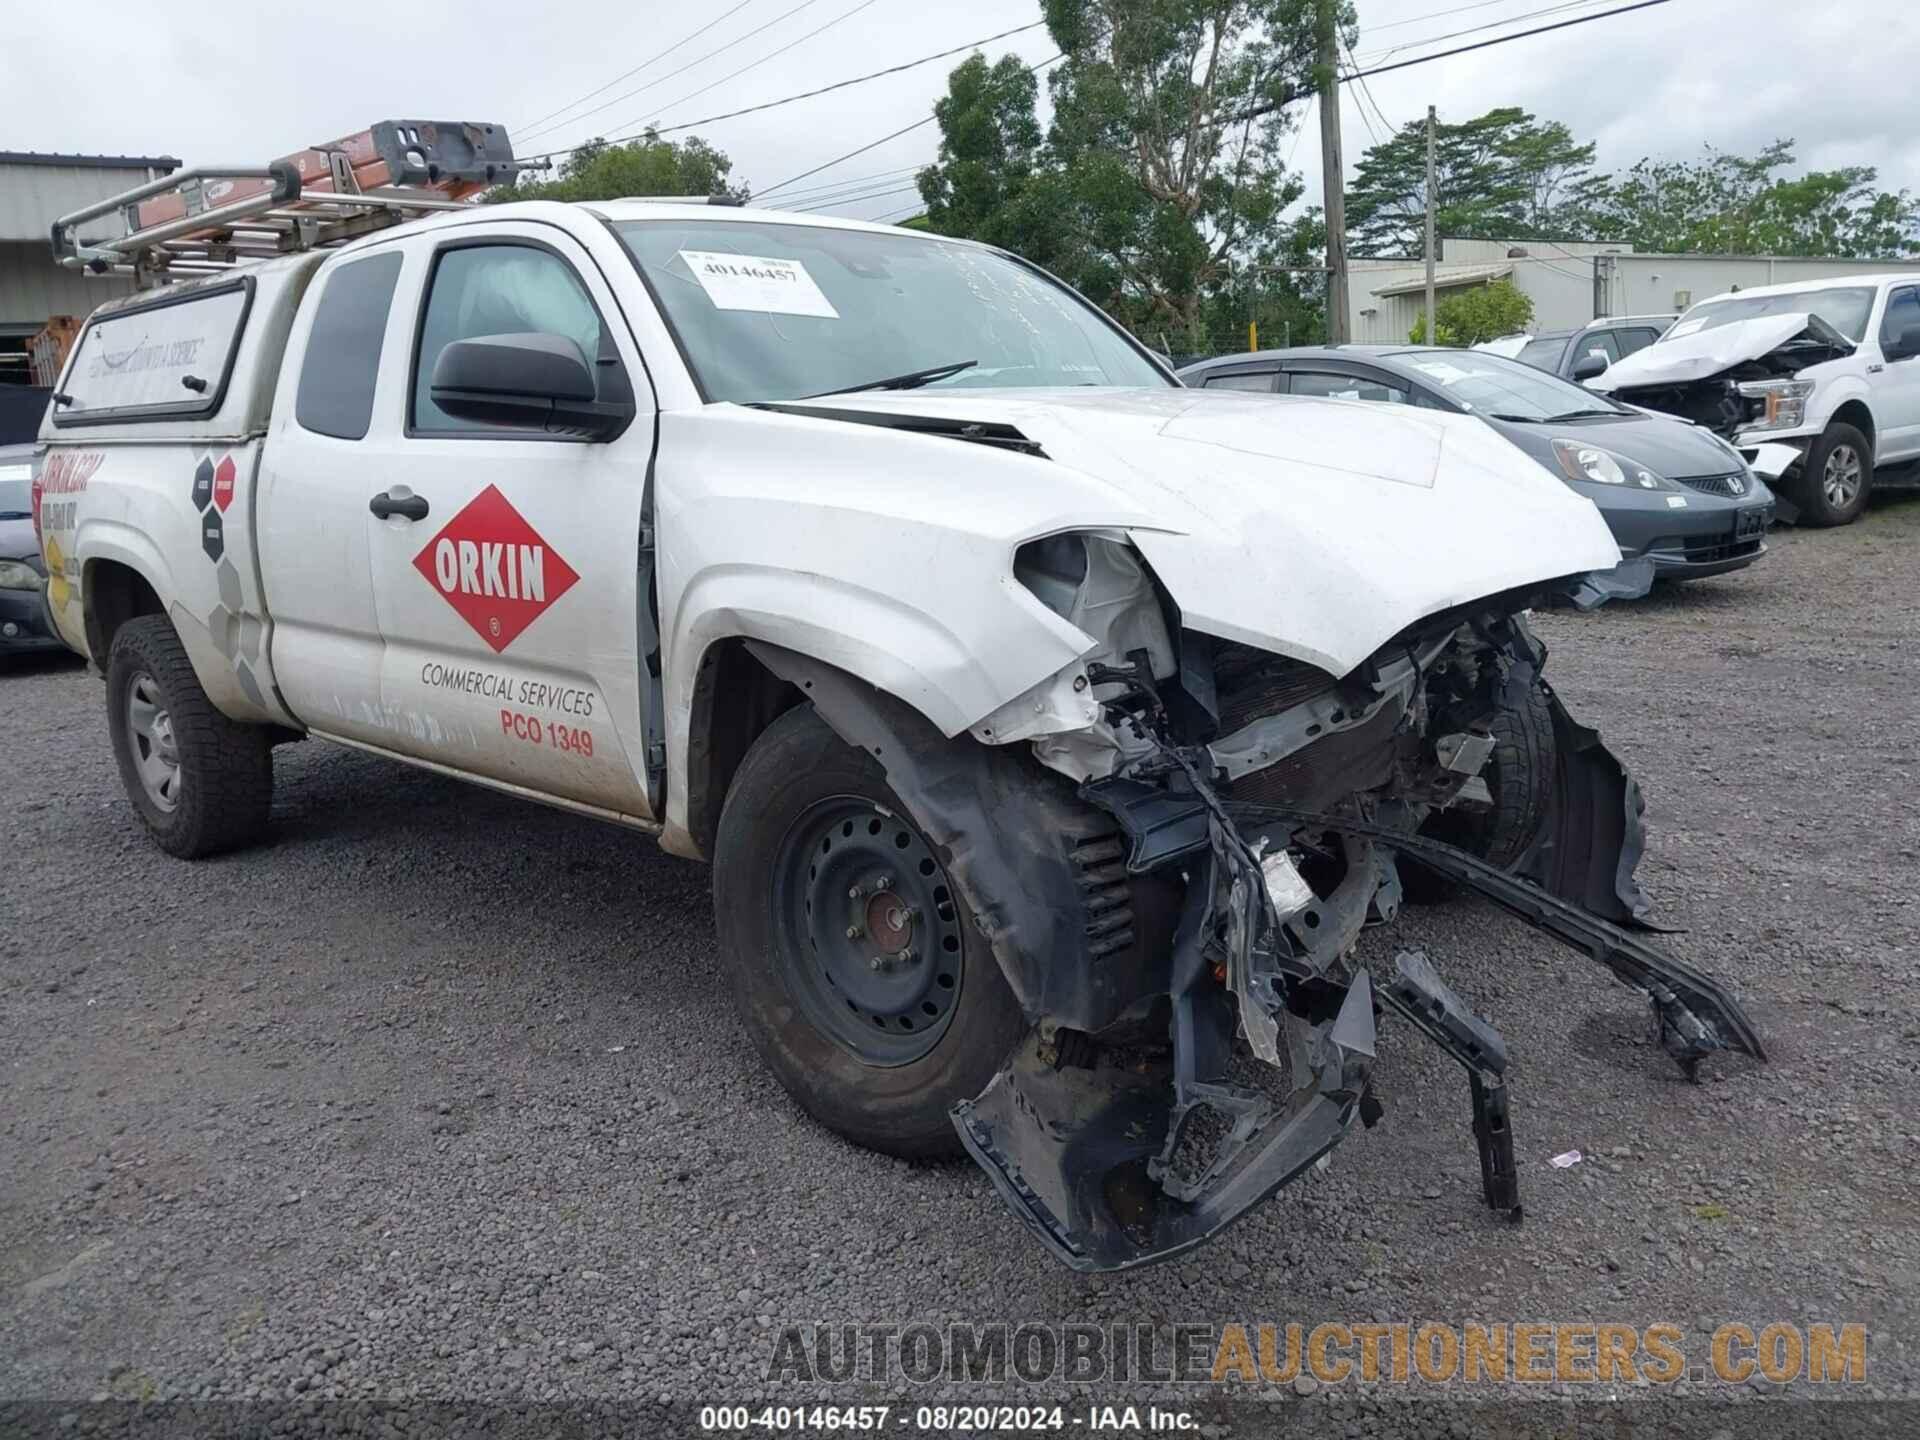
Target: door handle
<point>386,504</point>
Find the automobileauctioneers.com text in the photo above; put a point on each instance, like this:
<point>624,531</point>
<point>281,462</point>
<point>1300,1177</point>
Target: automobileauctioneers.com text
<point>1409,1353</point>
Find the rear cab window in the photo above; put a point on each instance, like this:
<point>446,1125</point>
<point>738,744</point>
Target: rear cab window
<point>341,365</point>
<point>168,358</point>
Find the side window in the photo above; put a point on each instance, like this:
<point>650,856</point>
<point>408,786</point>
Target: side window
<point>1346,387</point>
<point>1261,380</point>
<point>1636,339</point>
<point>501,289</point>
<point>342,361</point>
<point>1599,342</point>
<point>1903,310</point>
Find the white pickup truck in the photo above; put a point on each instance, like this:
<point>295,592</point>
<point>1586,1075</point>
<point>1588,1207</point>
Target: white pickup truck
<point>1817,383</point>
<point>1052,729</point>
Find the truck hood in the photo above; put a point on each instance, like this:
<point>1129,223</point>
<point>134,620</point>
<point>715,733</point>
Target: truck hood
<point>1315,528</point>
<point>1680,359</point>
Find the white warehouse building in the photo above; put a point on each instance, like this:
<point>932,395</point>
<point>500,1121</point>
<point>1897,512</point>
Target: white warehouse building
<point>1572,282</point>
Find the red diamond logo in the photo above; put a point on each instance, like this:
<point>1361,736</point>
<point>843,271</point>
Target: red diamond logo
<point>493,568</point>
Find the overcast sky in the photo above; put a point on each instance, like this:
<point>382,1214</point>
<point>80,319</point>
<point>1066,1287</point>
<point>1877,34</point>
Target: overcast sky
<point>238,84</point>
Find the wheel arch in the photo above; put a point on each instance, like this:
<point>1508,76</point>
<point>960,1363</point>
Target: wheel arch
<point>113,591</point>
<point>1855,412</point>
<point>1079,939</point>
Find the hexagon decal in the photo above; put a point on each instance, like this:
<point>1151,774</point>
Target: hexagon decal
<point>213,535</point>
<point>223,483</point>
<point>203,483</point>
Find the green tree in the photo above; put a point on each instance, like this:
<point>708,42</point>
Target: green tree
<point>598,170</point>
<point>1158,186</point>
<point>1743,204</point>
<point>1476,314</point>
<point>1503,174</point>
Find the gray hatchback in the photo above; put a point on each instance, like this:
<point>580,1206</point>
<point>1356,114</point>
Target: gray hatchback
<point>1673,493</point>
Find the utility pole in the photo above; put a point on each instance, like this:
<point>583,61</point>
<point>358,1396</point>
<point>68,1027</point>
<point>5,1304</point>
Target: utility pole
<point>1333,173</point>
<point>1433,324</point>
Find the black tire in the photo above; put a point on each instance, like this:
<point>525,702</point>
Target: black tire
<point>793,770</point>
<point>1827,499</point>
<point>224,782</point>
<point>1520,777</point>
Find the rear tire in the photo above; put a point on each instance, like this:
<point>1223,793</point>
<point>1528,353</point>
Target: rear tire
<point>878,1053</point>
<point>1836,478</point>
<point>200,783</point>
<point>1520,776</point>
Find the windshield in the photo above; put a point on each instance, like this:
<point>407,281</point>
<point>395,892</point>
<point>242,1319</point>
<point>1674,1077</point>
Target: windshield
<point>1490,385</point>
<point>782,312</point>
<point>1846,310</point>
<point>1543,354</point>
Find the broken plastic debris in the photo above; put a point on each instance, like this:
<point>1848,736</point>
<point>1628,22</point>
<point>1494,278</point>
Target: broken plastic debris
<point>615,1049</point>
<point>1566,1160</point>
<point>1288,888</point>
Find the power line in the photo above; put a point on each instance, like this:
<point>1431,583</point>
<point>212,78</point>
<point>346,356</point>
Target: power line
<point>735,75</point>
<point>810,94</point>
<point>856,199</point>
<point>638,89</point>
<point>859,179</point>
<point>532,126</point>
<point>1291,95</point>
<point>1503,39</point>
<point>1433,15</point>
<point>1559,9</point>
<point>894,135</point>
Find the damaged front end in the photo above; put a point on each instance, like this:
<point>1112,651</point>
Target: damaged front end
<point>1742,380</point>
<point>1258,811</point>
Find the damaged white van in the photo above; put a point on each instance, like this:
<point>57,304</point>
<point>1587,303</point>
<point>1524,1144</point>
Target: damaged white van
<point>1052,730</point>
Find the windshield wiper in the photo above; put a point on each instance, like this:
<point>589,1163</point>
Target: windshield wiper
<point>1550,419</point>
<point>912,380</point>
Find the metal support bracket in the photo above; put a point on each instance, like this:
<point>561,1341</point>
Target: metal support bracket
<point>1418,993</point>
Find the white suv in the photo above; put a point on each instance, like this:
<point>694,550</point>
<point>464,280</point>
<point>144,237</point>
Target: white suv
<point>1818,384</point>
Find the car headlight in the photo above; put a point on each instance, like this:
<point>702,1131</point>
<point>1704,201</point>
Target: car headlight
<point>1581,461</point>
<point>18,575</point>
<point>1783,403</point>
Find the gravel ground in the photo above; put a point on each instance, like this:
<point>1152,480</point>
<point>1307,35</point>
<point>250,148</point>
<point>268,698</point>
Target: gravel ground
<point>438,1095</point>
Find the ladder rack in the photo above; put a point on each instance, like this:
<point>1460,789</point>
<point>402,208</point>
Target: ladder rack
<point>210,218</point>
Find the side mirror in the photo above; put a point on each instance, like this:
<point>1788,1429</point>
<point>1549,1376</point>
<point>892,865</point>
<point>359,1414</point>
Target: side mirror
<point>1903,346</point>
<point>529,382</point>
<point>1588,366</point>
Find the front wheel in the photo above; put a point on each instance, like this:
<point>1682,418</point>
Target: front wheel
<point>201,783</point>
<point>1520,778</point>
<point>855,965</point>
<point>1836,477</point>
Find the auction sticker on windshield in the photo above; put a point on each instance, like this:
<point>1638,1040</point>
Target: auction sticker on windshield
<point>758,282</point>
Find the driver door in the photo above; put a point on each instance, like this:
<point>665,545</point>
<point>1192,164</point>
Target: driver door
<point>508,568</point>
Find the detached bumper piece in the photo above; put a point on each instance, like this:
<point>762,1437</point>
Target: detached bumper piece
<point>1136,1161</point>
<point>1119,1158</point>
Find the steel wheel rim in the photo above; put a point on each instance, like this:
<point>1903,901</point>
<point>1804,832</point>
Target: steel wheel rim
<point>151,742</point>
<point>1841,477</point>
<point>867,936</point>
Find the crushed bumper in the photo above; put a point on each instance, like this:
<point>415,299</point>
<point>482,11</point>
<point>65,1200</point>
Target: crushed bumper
<point>1102,1164</point>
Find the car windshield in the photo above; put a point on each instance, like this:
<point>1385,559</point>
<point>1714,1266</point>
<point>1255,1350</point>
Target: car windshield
<point>1490,385</point>
<point>1543,354</point>
<point>1846,309</point>
<point>781,312</point>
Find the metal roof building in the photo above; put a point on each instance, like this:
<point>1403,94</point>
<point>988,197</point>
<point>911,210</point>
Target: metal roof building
<point>35,189</point>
